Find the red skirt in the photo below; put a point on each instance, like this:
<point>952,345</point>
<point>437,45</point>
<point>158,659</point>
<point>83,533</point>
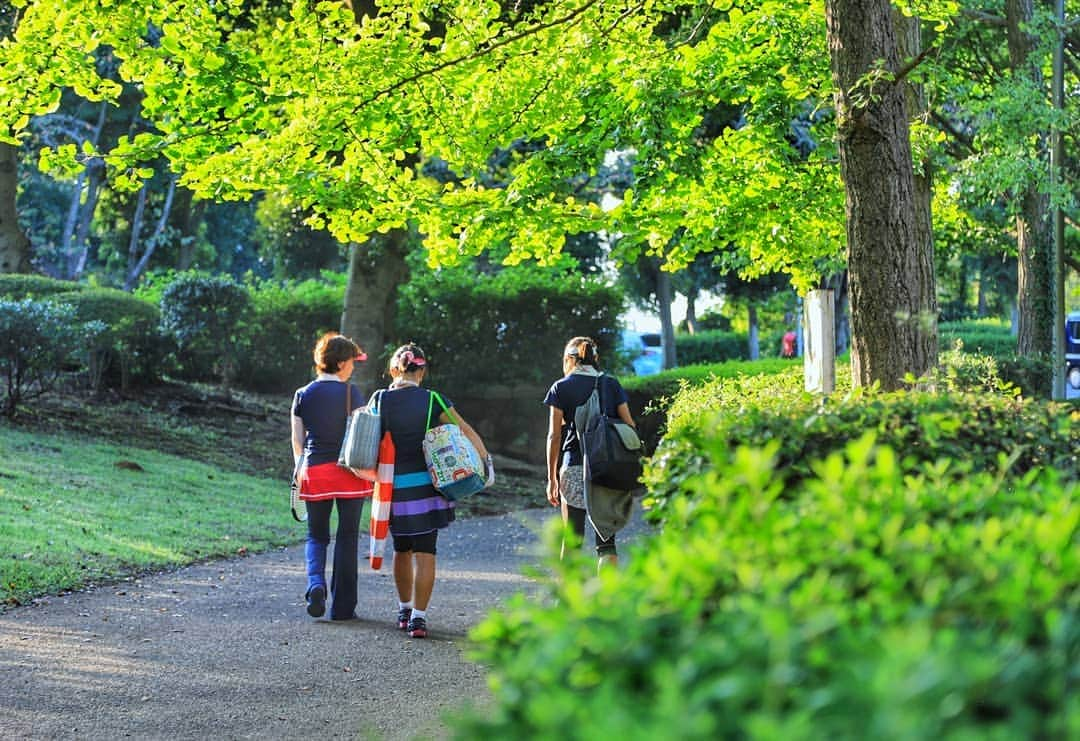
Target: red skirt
<point>331,481</point>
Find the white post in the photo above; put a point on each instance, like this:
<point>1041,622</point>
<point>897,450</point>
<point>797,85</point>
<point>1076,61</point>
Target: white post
<point>819,338</point>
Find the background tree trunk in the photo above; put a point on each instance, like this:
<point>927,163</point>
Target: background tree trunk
<point>376,269</point>
<point>14,246</point>
<point>691,312</point>
<point>136,272</point>
<point>909,39</point>
<point>1033,235</point>
<point>664,296</point>
<point>890,267</point>
<point>753,339</point>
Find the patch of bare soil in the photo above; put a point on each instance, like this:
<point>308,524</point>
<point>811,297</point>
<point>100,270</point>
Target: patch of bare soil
<point>241,431</point>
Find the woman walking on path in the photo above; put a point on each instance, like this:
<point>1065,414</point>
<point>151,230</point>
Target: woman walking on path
<point>319,414</point>
<point>417,511</point>
<point>566,473</point>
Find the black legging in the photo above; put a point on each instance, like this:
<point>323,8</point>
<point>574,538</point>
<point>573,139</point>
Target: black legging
<point>577,515</point>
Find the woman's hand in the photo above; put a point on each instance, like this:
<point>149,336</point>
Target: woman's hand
<point>553,492</point>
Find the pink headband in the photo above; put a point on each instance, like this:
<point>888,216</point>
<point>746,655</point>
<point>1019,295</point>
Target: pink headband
<point>407,358</point>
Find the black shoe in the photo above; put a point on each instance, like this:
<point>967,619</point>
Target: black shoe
<point>417,628</point>
<point>340,618</point>
<point>403,616</point>
<point>316,601</point>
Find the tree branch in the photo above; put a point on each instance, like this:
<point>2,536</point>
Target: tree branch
<point>913,63</point>
<point>479,53</point>
<point>985,18</point>
<point>954,132</point>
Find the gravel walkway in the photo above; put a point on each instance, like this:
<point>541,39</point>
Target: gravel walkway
<point>224,650</point>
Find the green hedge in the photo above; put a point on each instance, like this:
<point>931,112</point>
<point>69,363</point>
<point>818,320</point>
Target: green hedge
<point>862,602</point>
<point>506,328</point>
<point>986,336</point>
<point>18,286</point>
<point>650,395</point>
<point>713,346</point>
<point>283,323</point>
<point>988,431</point>
<point>130,350</point>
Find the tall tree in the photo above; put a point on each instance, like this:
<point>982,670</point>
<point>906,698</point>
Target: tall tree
<point>1033,233</point>
<point>346,108</point>
<point>890,266</point>
<point>14,245</point>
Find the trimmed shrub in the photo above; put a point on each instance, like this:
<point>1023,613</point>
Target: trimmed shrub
<point>714,346</point>
<point>19,286</point>
<point>204,315</point>
<point>38,340</point>
<point>985,336</point>
<point>130,349</point>
<point>988,432</point>
<point>863,602</point>
<point>282,326</point>
<point>506,328</point>
<point>650,395</point>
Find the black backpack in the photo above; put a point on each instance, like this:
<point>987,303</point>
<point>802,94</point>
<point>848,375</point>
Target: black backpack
<point>611,448</point>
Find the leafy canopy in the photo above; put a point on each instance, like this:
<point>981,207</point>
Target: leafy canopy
<point>376,123</point>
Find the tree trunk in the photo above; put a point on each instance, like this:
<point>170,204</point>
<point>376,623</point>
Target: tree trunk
<point>136,227</point>
<point>1033,235</point>
<point>753,340</point>
<point>14,246</point>
<point>664,297</point>
<point>691,312</point>
<point>909,38</point>
<point>376,269</point>
<point>890,267</point>
<point>151,244</point>
<point>838,284</point>
<point>86,216</point>
<point>189,215</point>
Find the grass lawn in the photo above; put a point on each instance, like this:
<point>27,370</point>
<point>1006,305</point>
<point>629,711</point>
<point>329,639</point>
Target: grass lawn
<point>75,510</point>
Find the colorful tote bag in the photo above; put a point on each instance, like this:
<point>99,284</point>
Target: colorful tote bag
<point>455,467</point>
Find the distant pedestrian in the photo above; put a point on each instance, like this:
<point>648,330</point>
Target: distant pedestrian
<point>417,511</point>
<point>787,344</point>
<point>319,414</point>
<point>565,463</point>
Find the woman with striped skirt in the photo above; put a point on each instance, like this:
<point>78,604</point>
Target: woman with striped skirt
<point>417,511</point>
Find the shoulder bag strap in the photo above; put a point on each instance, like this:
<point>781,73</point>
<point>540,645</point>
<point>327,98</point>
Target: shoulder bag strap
<point>432,396</point>
<point>348,402</point>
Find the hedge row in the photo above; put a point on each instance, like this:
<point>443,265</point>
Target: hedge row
<point>861,603</point>
<point>977,431</point>
<point>504,328</point>
<point>711,346</point>
<point>270,340</point>
<point>865,566</point>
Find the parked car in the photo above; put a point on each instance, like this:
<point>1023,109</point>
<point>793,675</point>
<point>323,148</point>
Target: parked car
<point>646,351</point>
<point>1072,355</point>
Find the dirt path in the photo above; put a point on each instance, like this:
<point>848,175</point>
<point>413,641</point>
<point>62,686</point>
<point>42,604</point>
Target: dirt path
<point>225,650</point>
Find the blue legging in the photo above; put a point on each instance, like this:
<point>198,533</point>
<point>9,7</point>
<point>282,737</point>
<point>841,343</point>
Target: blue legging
<point>346,545</point>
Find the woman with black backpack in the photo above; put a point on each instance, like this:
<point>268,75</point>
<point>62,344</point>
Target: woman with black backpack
<point>566,486</point>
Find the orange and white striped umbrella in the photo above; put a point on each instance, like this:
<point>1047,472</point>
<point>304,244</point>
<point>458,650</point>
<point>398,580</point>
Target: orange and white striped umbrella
<point>380,502</point>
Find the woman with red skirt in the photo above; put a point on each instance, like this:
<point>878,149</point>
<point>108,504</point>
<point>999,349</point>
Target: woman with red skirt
<point>319,414</point>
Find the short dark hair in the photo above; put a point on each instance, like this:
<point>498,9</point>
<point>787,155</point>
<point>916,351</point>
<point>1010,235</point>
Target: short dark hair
<point>332,351</point>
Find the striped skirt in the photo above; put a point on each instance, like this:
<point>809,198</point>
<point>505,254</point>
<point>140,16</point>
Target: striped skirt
<point>416,507</point>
